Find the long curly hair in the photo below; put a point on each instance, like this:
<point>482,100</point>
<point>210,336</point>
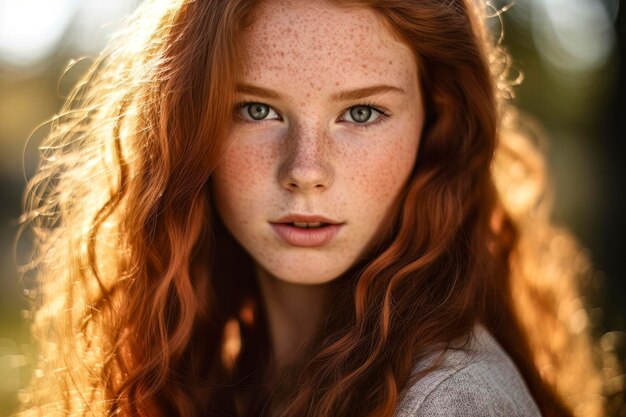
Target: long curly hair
<point>147,306</point>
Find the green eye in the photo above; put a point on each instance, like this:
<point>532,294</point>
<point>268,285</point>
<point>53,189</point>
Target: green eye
<point>258,111</point>
<point>255,112</point>
<point>360,114</point>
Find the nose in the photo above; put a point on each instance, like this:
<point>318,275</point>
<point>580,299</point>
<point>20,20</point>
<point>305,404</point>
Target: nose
<point>305,161</point>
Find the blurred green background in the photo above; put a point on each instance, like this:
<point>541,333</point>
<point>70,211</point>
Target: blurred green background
<point>571,53</point>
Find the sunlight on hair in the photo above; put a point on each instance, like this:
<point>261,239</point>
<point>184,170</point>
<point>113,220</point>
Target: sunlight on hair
<point>151,23</point>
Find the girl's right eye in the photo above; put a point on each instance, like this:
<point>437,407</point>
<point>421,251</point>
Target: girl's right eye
<point>256,112</point>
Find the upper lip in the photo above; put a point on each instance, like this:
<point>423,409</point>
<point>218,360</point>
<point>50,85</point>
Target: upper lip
<point>305,218</point>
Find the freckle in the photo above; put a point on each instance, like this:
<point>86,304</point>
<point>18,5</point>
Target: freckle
<point>337,83</point>
<point>390,62</point>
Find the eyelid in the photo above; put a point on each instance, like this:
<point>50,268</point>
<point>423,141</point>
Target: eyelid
<point>243,105</point>
<point>384,115</point>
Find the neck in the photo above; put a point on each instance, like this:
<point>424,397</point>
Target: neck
<point>294,314</point>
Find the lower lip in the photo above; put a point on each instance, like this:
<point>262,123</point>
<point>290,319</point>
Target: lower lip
<point>306,238</point>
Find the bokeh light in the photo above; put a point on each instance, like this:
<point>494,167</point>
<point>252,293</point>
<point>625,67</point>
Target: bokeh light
<point>574,36</point>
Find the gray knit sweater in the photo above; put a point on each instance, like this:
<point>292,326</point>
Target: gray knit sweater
<point>481,382</point>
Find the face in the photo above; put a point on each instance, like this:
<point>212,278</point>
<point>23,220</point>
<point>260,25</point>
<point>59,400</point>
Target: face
<point>326,131</point>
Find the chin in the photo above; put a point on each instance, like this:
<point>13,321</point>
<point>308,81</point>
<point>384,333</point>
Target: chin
<point>311,273</point>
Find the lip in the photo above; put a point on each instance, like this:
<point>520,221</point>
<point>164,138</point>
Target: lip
<point>306,238</point>
<point>305,218</point>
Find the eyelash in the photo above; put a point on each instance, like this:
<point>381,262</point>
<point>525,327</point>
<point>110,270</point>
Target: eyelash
<point>384,115</point>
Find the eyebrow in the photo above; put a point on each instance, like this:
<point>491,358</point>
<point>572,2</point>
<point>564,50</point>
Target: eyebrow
<point>341,96</point>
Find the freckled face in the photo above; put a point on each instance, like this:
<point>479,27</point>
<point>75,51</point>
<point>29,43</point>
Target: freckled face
<point>302,147</point>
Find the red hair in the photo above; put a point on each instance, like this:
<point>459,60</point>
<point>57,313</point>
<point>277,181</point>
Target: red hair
<point>144,291</point>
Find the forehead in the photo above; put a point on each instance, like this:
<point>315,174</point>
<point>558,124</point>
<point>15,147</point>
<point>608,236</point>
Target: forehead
<point>320,45</point>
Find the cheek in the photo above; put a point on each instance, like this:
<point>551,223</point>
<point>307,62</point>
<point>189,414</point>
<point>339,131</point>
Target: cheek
<point>240,165</point>
<point>386,167</point>
<point>240,177</point>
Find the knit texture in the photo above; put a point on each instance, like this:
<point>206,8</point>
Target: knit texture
<point>482,381</point>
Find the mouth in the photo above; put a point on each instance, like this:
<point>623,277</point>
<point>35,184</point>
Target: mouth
<point>305,218</point>
<point>307,225</point>
<point>306,231</point>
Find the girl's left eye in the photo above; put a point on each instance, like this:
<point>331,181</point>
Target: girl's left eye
<point>255,112</point>
<point>362,114</point>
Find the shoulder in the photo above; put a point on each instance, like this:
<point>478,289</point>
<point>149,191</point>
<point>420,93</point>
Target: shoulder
<point>481,380</point>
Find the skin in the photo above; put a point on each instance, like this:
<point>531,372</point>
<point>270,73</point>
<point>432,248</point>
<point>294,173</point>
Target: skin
<point>310,156</point>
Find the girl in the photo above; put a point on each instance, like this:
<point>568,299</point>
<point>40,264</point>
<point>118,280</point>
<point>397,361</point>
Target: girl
<point>288,208</point>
